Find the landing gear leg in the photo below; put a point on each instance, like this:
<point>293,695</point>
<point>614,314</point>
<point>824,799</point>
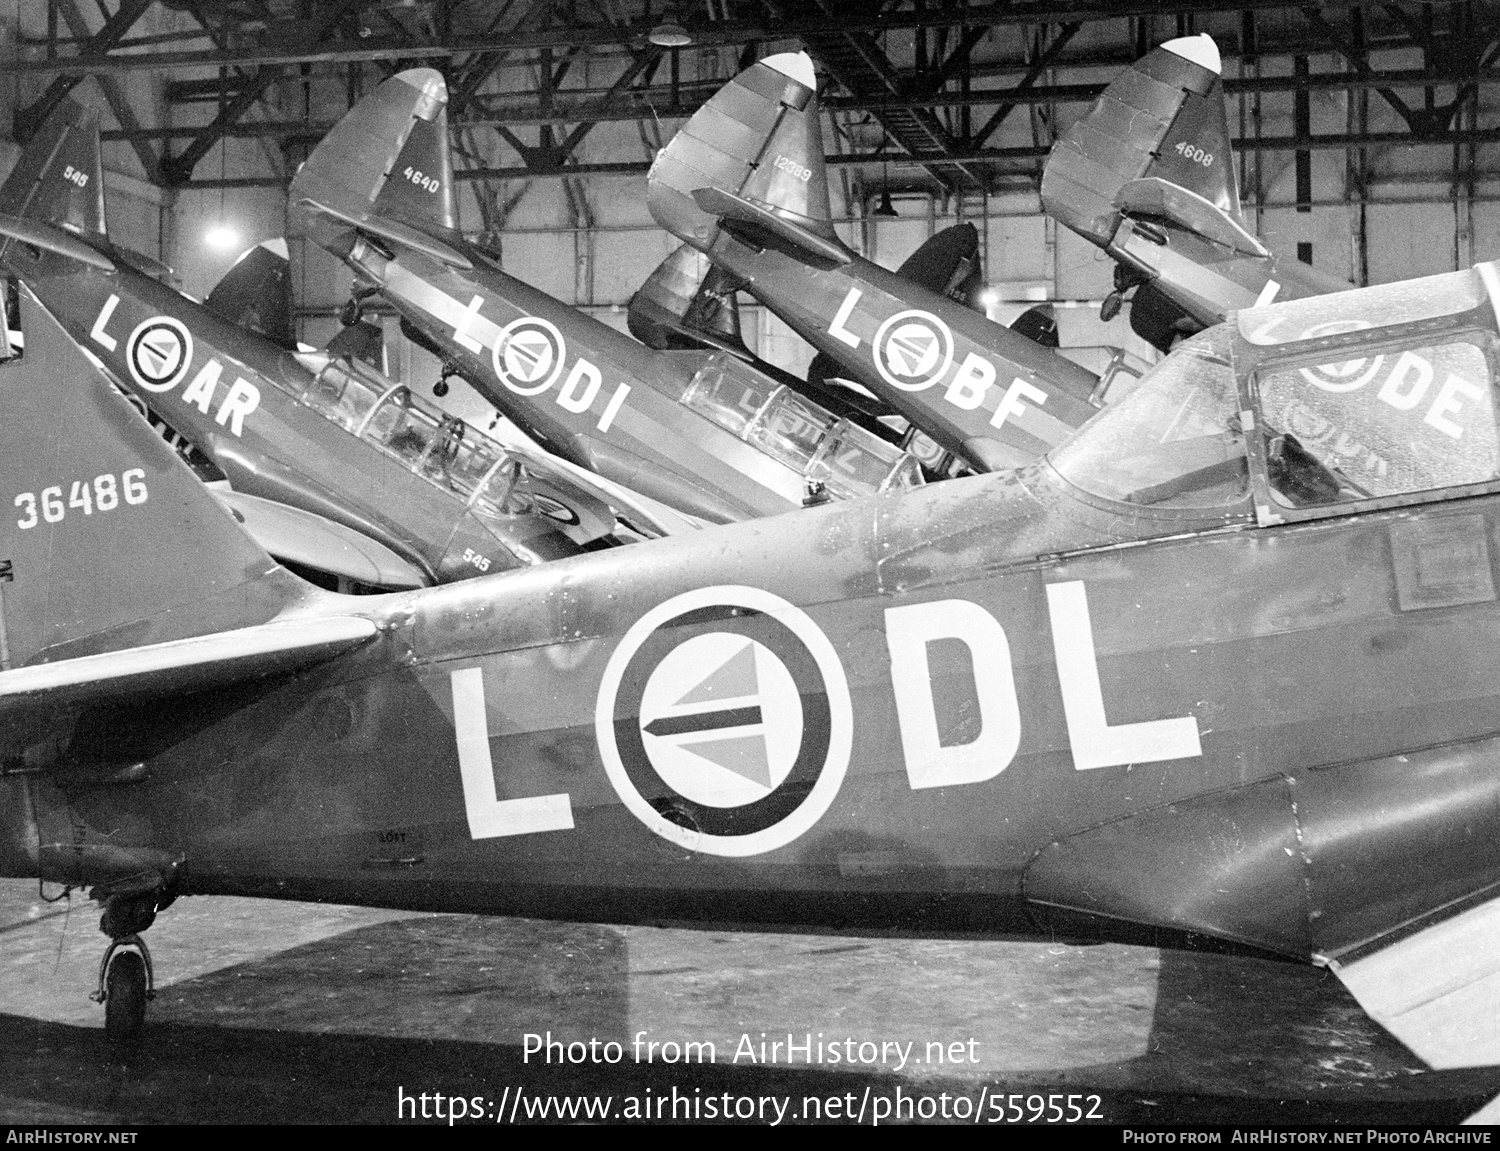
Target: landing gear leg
<point>126,980</point>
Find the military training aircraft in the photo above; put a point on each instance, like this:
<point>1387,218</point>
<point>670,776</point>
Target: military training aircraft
<point>706,433</point>
<point>689,302</point>
<point>744,181</point>
<point>1148,175</point>
<point>1219,666</point>
<point>335,467</point>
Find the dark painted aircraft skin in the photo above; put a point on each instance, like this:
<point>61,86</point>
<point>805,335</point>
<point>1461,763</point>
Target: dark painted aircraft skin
<point>1221,665</point>
<point>705,433</point>
<point>276,427</point>
<point>1148,175</point>
<point>744,182</point>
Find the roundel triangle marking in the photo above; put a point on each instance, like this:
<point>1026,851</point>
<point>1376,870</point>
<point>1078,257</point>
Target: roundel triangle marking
<point>912,350</point>
<point>160,347</point>
<point>734,678</point>
<point>745,755</point>
<point>530,354</point>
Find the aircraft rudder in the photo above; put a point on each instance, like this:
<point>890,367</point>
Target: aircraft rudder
<point>759,136</point>
<point>59,178</point>
<point>1132,131</point>
<point>357,168</point>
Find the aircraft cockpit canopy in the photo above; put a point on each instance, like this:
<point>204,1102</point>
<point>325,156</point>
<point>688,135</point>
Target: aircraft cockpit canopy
<point>442,448</point>
<point>845,458</point>
<point>1173,442</point>
<point>1374,398</point>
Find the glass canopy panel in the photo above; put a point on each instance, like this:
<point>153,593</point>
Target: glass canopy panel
<point>1173,442</point>
<point>729,392</point>
<point>1380,307</point>
<point>1382,424</point>
<point>854,462</point>
<point>343,396</point>
<point>790,429</point>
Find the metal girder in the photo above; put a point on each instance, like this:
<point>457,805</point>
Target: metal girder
<point>857,61</point>
<point>30,118</point>
<point>550,155</point>
<point>1044,61</point>
<point>119,102</point>
<point>706,34</point>
<point>628,106</point>
<point>177,170</point>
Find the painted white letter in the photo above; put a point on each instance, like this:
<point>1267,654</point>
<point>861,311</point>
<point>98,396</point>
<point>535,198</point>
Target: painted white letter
<point>566,398</point>
<point>908,630</point>
<point>846,309</point>
<point>1010,403</point>
<point>97,331</point>
<point>461,329</point>
<point>1407,365</point>
<point>489,816</point>
<point>970,382</point>
<point>1094,742</point>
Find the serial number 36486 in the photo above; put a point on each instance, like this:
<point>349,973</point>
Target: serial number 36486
<point>101,494</point>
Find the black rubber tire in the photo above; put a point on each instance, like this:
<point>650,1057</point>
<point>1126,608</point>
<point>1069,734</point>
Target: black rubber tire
<point>125,998</point>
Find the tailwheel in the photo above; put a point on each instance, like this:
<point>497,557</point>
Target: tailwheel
<point>125,987</point>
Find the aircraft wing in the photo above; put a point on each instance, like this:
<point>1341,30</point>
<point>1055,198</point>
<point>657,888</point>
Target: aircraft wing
<point>392,230</point>
<point>302,537</point>
<point>184,665</point>
<point>1437,990</point>
<point>767,225</point>
<point>53,239</point>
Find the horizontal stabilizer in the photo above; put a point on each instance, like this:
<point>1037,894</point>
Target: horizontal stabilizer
<point>293,535</point>
<point>184,665</point>
<point>53,239</point>
<point>1153,196</point>
<point>764,226</point>
<point>394,231</point>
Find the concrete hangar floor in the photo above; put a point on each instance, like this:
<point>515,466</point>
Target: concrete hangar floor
<point>273,1012</point>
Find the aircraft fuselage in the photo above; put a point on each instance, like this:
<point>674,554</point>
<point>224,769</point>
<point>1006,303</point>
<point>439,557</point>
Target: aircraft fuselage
<point>985,393</point>
<point>974,707</point>
<point>236,398</point>
<point>587,392</point>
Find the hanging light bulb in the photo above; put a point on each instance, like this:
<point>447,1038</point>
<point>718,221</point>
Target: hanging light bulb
<point>885,207</point>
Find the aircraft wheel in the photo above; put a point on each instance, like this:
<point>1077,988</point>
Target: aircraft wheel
<point>125,998</point>
<point>351,313</point>
<point>440,389</point>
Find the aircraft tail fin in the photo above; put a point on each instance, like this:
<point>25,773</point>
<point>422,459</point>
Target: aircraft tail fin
<point>949,265</point>
<point>1161,121</point>
<point>256,293</point>
<point>758,140</point>
<point>107,540</point>
<point>387,158</point>
<point>686,303</point>
<point>58,178</point>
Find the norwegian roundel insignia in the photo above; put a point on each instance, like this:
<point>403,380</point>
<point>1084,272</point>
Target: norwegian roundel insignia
<point>1348,376</point>
<point>724,721</point>
<point>158,353</point>
<point>913,350</point>
<point>528,355</point>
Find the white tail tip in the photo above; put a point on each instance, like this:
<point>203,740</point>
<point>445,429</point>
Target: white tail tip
<point>1200,49</point>
<point>798,65</point>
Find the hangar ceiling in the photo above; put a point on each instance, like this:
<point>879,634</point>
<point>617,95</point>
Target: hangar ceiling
<point>951,95</point>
